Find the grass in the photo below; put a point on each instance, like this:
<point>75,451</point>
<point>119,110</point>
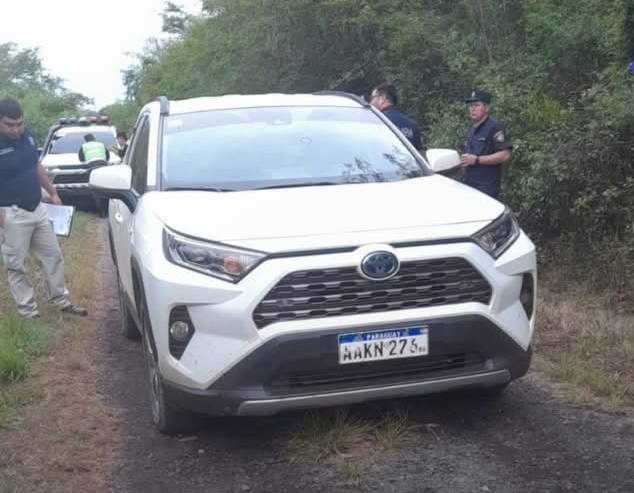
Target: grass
<point>11,400</point>
<point>319,435</point>
<point>349,437</point>
<point>587,346</point>
<point>22,341</point>
<point>393,428</point>
<point>47,445</point>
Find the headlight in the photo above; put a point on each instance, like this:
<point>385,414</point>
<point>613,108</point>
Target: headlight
<point>499,235</point>
<point>213,259</point>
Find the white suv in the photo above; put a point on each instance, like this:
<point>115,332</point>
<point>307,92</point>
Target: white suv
<point>280,252</point>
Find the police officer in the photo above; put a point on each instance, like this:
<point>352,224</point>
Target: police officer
<point>92,150</point>
<point>487,146</point>
<point>385,99</point>
<point>24,224</point>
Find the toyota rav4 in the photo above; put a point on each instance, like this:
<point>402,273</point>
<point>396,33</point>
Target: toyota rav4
<point>279,252</point>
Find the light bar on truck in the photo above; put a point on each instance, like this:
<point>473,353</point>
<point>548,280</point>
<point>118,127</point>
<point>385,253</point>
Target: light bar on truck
<point>84,120</point>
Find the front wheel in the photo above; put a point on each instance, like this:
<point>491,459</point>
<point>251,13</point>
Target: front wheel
<point>102,207</point>
<point>165,417</point>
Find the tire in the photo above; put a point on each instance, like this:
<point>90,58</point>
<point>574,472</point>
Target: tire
<point>127,324</point>
<point>166,418</point>
<point>102,207</point>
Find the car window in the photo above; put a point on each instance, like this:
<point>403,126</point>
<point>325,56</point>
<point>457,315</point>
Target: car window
<point>70,142</point>
<point>258,147</point>
<point>139,156</point>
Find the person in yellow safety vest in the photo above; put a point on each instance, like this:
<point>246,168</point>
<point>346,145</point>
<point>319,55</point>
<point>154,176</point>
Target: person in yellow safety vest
<point>92,150</point>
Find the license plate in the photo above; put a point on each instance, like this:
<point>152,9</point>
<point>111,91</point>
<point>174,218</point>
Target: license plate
<point>360,347</point>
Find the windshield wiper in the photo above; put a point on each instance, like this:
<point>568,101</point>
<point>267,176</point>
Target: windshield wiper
<point>198,188</point>
<point>292,185</point>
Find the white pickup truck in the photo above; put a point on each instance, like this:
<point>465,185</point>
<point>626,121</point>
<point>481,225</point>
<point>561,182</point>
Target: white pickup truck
<point>61,160</point>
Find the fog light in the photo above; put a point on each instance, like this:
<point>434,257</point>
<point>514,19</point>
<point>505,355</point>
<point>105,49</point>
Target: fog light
<point>527,295</point>
<point>180,331</point>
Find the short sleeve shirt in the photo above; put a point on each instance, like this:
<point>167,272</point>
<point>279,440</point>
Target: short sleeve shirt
<point>487,137</point>
<point>19,179</point>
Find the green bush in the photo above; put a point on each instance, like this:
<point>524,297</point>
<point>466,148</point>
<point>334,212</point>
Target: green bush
<point>557,70</point>
<point>20,341</point>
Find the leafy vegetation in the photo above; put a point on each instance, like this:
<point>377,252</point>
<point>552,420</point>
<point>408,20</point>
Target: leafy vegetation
<point>42,96</point>
<point>558,71</point>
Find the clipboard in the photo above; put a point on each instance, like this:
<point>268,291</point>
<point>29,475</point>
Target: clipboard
<point>61,217</point>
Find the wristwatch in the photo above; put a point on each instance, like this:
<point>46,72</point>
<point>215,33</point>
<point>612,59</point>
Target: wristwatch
<point>477,160</point>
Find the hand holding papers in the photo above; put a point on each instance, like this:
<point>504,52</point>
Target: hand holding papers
<point>61,216</point>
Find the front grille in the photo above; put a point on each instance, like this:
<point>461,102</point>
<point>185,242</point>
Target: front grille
<point>349,376</point>
<point>343,291</point>
<point>71,178</point>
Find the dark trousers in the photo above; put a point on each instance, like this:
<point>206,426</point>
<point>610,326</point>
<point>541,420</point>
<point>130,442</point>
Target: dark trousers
<point>492,189</point>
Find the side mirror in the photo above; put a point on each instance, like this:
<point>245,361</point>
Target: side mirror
<point>114,182</point>
<point>112,178</point>
<point>442,160</point>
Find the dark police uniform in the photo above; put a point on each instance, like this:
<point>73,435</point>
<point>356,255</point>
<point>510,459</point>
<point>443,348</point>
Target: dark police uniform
<point>26,227</point>
<point>487,137</point>
<point>19,179</point>
<point>406,125</point>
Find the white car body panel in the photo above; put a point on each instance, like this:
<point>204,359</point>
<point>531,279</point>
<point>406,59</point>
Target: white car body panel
<point>251,216</point>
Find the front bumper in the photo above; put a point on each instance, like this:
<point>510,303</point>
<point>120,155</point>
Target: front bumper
<point>302,371</point>
<point>72,179</point>
<point>230,366</point>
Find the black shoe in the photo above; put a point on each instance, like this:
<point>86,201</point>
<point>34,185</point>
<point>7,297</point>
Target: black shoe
<point>75,310</point>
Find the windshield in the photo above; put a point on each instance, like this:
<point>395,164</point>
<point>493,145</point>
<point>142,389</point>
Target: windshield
<point>69,143</point>
<point>241,149</point>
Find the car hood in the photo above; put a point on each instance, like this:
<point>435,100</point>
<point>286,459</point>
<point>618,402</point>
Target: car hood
<point>327,216</point>
<point>68,159</point>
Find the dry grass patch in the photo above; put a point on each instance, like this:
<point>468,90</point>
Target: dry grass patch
<point>62,435</point>
<point>393,428</point>
<point>349,437</point>
<point>319,435</point>
<point>586,347</point>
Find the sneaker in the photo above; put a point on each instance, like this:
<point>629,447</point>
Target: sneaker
<point>75,310</point>
<point>33,316</point>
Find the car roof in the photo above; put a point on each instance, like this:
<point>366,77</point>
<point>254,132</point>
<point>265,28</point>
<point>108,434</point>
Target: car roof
<point>232,101</point>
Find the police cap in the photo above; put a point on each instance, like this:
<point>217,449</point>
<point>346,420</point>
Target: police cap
<point>478,95</point>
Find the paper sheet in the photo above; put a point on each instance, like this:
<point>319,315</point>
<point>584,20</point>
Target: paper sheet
<point>61,216</point>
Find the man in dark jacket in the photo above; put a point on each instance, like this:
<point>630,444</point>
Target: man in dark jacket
<point>24,223</point>
<point>385,99</point>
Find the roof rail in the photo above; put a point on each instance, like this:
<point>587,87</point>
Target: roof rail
<point>164,105</point>
<point>329,92</point>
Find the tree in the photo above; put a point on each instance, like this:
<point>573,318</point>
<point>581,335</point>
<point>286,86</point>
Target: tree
<point>43,97</point>
<point>557,70</point>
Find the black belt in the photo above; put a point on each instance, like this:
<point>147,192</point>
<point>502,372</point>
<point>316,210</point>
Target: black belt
<point>29,207</point>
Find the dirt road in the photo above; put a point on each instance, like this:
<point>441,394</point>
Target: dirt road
<point>526,441</point>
